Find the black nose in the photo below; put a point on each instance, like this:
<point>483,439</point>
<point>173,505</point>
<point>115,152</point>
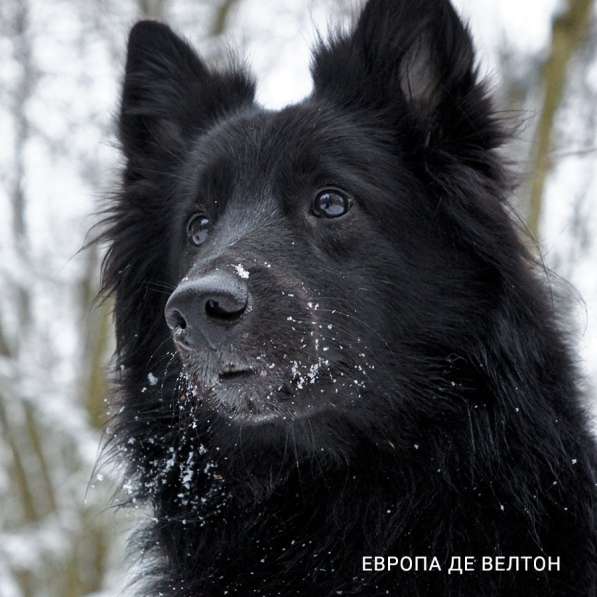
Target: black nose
<point>206,309</point>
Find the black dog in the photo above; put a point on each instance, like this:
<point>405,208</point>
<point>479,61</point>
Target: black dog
<point>332,344</point>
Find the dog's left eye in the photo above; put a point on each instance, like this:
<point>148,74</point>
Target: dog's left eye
<point>331,203</point>
<point>197,229</point>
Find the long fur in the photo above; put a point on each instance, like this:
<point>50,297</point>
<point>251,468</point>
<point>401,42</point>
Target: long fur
<point>458,428</point>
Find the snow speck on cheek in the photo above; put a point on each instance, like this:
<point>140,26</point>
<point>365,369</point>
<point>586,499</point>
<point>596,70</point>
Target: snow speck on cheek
<point>241,271</point>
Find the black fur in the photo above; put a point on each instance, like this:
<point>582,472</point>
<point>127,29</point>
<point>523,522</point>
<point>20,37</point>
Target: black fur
<point>425,400</point>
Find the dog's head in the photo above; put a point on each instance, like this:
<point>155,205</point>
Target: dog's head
<point>317,264</point>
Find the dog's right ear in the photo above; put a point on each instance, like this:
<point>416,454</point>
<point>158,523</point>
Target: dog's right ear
<point>169,94</point>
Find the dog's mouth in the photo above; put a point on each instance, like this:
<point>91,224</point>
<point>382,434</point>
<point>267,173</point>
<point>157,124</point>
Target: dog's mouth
<point>234,374</point>
<point>259,390</point>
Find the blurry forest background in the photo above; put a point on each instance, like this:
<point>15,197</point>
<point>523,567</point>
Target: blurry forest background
<point>60,68</point>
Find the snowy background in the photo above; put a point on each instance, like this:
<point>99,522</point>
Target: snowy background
<point>61,62</point>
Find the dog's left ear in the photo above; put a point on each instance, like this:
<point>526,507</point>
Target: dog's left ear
<point>411,61</point>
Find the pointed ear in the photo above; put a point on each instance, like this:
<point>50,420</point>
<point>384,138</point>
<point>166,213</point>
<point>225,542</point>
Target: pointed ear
<point>169,94</point>
<point>409,60</point>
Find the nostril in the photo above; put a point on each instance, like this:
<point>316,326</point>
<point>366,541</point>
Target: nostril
<point>218,310</point>
<point>179,320</point>
<point>176,320</point>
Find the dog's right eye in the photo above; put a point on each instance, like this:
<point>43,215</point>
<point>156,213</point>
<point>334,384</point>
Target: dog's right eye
<point>197,229</point>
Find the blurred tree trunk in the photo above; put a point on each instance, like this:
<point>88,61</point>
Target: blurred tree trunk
<point>568,32</point>
<point>96,341</point>
<point>221,19</point>
<point>17,420</point>
<point>152,9</point>
<point>22,93</point>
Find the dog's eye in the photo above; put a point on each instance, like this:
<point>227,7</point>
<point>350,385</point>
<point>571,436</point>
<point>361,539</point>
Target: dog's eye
<point>331,203</point>
<point>197,229</point>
